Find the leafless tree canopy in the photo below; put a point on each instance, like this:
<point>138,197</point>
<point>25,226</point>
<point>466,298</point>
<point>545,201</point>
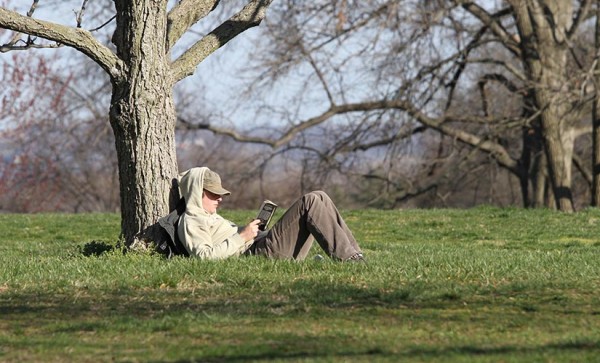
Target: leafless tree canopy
<point>440,102</point>
<point>383,103</point>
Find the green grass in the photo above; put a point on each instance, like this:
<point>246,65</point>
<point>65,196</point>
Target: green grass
<point>478,285</point>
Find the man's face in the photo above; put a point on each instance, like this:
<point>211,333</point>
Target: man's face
<point>210,201</point>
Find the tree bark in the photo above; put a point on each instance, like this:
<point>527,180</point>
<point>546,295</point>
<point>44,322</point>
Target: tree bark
<point>596,116</point>
<point>544,52</point>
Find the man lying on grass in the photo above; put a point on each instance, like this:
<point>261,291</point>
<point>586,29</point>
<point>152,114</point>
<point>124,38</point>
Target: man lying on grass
<point>206,234</point>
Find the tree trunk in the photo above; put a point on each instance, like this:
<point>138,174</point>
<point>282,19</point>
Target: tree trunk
<point>555,118</point>
<point>559,152</point>
<point>596,117</point>
<point>544,52</point>
<point>142,116</point>
<point>539,182</point>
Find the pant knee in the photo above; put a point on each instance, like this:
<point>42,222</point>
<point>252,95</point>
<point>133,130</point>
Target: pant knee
<point>317,194</point>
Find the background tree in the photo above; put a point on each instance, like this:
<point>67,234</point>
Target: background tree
<point>142,74</point>
<point>58,150</point>
<point>393,103</point>
<point>507,80</point>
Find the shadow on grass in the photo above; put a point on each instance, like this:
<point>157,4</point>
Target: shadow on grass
<point>301,296</point>
<point>155,312</point>
<point>417,353</point>
<point>95,248</point>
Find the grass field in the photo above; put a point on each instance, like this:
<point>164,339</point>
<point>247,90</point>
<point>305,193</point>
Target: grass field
<point>478,285</point>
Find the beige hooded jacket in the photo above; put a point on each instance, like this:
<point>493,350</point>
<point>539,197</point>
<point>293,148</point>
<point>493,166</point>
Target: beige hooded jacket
<point>204,235</point>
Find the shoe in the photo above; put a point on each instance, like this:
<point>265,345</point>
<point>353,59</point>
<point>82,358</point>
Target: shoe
<point>356,258</point>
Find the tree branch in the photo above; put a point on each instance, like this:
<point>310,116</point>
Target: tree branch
<point>185,14</point>
<point>80,13</point>
<point>402,134</point>
<point>581,16</point>
<point>490,21</point>
<point>11,45</point>
<point>581,166</point>
<point>250,16</point>
<point>79,39</point>
<point>438,124</point>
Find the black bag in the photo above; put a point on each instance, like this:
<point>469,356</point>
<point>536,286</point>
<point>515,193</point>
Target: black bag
<point>169,244</point>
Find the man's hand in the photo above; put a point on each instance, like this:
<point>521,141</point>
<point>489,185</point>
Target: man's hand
<point>250,231</point>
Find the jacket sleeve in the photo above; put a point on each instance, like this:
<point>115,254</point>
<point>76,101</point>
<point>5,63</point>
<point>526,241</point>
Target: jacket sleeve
<point>203,246</point>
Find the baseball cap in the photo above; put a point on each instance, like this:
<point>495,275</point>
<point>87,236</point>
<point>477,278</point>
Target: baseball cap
<point>212,183</point>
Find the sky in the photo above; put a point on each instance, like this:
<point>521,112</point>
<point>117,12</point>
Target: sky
<point>219,80</point>
<point>215,77</point>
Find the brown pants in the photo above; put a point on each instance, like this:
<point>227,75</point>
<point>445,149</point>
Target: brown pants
<point>312,216</point>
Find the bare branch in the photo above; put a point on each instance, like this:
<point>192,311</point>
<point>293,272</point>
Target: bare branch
<point>103,24</point>
<point>402,134</point>
<point>32,8</point>
<point>357,26</point>
<point>17,37</point>
<point>80,13</point>
<point>509,41</point>
<point>462,63</point>
<point>250,16</point>
<point>509,67</point>
<point>318,72</point>
<point>582,130</point>
<point>439,124</point>
<point>582,14</point>
<point>227,132</point>
<point>27,44</point>
<point>185,14</point>
<point>583,169</point>
<point>500,78</point>
<point>79,39</point>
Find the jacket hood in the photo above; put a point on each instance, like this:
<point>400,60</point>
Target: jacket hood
<point>191,186</point>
